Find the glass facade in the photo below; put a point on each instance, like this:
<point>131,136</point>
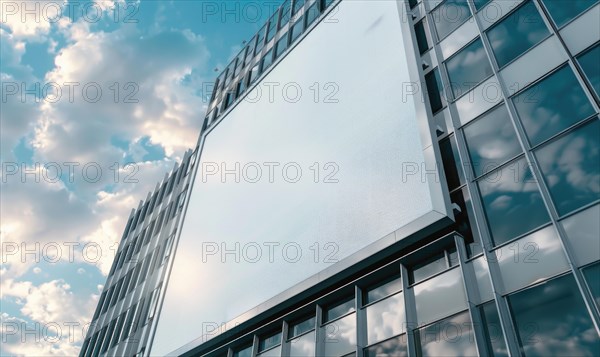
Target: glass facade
<point>518,274</point>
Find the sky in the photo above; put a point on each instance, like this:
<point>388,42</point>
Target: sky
<point>99,100</point>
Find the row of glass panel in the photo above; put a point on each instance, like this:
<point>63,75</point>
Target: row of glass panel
<point>549,315</point>
<point>302,22</point>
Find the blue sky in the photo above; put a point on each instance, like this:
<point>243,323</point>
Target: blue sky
<point>64,197</point>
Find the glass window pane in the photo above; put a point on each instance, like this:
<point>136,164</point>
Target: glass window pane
<point>267,61</point>
<point>272,27</point>
<point>583,230</point>
<point>517,33</point>
<point>552,105</point>
<point>297,29</point>
<point>570,167</point>
<point>551,320</point>
<point>439,297</point>
<point>395,347</point>
<point>273,352</point>
<point>303,346</point>
<point>285,13</point>
<point>530,259</point>
<point>453,167</point>
<point>302,327</point>
<point>480,3</point>
<point>512,202</point>
<point>270,341</point>
<point>491,141</point>
<point>421,37</point>
<point>336,311</point>
<point>482,275</point>
<point>281,45</point>
<point>592,278</point>
<point>493,330</point>
<point>384,289</point>
<point>429,266</point>
<point>450,337</point>
<point>468,68</point>
<point>312,14</point>
<point>385,319</point>
<point>340,337</point>
<point>464,221</point>
<point>562,11</point>
<point>260,40</point>
<point>590,62</point>
<point>434,90</point>
<point>298,4</point>
<point>449,15</point>
<point>245,352</point>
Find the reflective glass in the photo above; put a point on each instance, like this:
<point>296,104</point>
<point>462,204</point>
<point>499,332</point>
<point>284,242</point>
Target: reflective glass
<point>482,275</point>
<point>480,3</point>
<point>303,346</point>
<point>421,37</point>
<point>592,278</point>
<point>246,352</point>
<point>285,13</point>
<point>512,202</point>
<point>440,296</point>
<point>491,140</point>
<point>517,33</point>
<point>450,337</point>
<point>570,167</point>
<point>590,62</point>
<point>268,342</point>
<point>336,311</point>
<point>312,14</point>
<point>493,330</point>
<point>434,90</point>
<point>551,320</point>
<point>464,221</point>
<point>468,68</point>
<point>583,230</point>
<point>273,352</point>
<point>449,15</point>
<point>298,4</point>
<point>562,11</point>
<point>394,347</point>
<point>272,27</point>
<point>430,266</point>
<point>552,105</point>
<point>453,167</point>
<point>260,40</point>
<point>530,259</point>
<point>267,61</point>
<point>385,319</point>
<point>340,337</point>
<point>301,327</point>
<point>385,289</point>
<point>281,45</point>
<point>297,29</point>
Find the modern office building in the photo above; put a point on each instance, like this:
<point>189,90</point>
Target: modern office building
<point>384,178</point>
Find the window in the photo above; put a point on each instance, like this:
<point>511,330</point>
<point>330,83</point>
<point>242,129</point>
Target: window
<point>434,90</point>
<point>298,4</point>
<point>254,74</point>
<point>285,13</point>
<point>453,335</point>
<point>563,11</point>
<point>340,336</point>
<point>269,343</point>
<point>589,63</point>
<point>250,51</point>
<point>267,61</point>
<point>128,322</point>
<point>431,265</point>
<point>449,15</point>
<point>272,27</point>
<point>260,40</point>
<point>552,105</point>
<point>463,221</point>
<point>385,319</point>
<point>382,289</point>
<point>421,37</point>
<point>99,341</point>
<point>302,337</point>
<point>453,167</point>
<point>297,29</point>
<point>116,336</point>
<point>468,68</point>
<point>479,4</point>
<point>281,45</point>
<point>338,310</point>
<point>394,347</point>
<point>583,230</point>
<point>491,140</point>
<point>494,338</point>
<point>567,164</point>
<point>412,3</point>
<point>312,14</point>
<point>243,352</point>
<point>551,319</point>
<point>107,337</point>
<point>592,278</point>
<point>517,33</point>
<point>512,202</point>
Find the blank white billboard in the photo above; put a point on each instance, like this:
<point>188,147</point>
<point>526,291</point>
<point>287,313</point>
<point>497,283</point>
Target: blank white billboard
<point>313,171</point>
